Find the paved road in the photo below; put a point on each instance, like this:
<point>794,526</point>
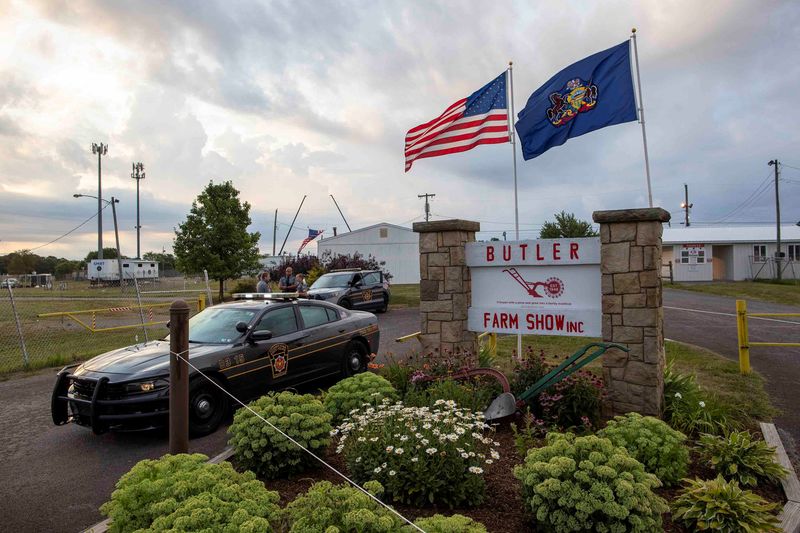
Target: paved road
<point>55,478</point>
<point>710,321</point>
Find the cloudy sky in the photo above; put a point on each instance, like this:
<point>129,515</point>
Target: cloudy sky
<point>315,97</point>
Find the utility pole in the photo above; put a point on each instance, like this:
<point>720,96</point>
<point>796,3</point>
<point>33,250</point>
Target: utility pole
<point>274,232</point>
<point>101,150</point>
<point>138,175</point>
<point>340,212</point>
<point>427,205</point>
<point>114,201</point>
<point>778,254</point>
<point>686,205</point>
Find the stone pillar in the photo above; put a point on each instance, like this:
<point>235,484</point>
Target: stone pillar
<point>445,288</point>
<point>633,315</point>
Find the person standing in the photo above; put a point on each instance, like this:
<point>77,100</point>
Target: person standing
<point>288,283</point>
<point>302,286</point>
<point>262,283</point>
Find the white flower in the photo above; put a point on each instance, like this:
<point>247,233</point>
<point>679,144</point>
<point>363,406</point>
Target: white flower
<point>430,451</point>
<point>494,454</point>
<point>678,395</point>
<point>383,465</point>
<point>414,459</point>
<point>392,472</point>
<point>426,425</point>
<point>475,470</point>
<point>702,404</point>
<point>389,449</point>
<point>439,402</point>
<point>362,439</point>
<point>424,441</point>
<point>377,470</point>
<point>489,461</point>
<point>358,459</point>
<point>398,451</point>
<point>464,455</point>
<point>334,432</point>
<point>374,439</point>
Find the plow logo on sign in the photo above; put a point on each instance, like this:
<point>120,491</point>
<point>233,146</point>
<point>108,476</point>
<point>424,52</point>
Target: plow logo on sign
<point>553,287</point>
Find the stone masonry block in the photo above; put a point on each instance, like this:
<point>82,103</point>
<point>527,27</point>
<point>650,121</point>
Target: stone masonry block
<point>428,242</point>
<point>614,257</point>
<point>649,233</point>
<point>626,334</point>
<point>649,278</point>
<point>434,326</point>
<point>652,258</point>
<point>637,259</point>
<point>653,350</point>
<point>607,328</point>
<point>423,266</point>
<point>460,305</point>
<point>607,283</point>
<point>451,331</point>
<point>452,279</point>
<point>634,300</point>
<point>454,238</point>
<point>436,306</point>
<point>457,256</point>
<point>612,303</point>
<point>436,272</point>
<point>616,320</point>
<point>623,231</point>
<point>636,352</point>
<point>641,373</point>
<point>438,259</point>
<point>614,358</point>
<point>445,317</point>
<point>605,234</point>
<point>645,317</point>
<point>627,283</point>
<point>428,289</point>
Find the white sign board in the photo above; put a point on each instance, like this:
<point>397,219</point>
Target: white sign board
<point>536,287</point>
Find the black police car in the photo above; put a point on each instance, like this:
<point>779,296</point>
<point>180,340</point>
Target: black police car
<point>353,289</point>
<point>261,342</point>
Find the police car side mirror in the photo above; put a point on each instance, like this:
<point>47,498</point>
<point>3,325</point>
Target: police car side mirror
<point>241,326</point>
<point>260,335</point>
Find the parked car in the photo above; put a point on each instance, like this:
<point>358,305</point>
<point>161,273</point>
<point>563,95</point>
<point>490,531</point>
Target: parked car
<point>260,342</point>
<point>8,282</point>
<point>353,289</point>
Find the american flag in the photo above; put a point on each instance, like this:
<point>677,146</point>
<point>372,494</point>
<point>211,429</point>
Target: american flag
<point>312,234</point>
<point>481,118</point>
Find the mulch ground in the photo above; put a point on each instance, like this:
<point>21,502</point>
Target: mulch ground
<point>503,509</point>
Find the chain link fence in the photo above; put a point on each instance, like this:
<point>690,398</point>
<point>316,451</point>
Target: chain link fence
<point>75,321</point>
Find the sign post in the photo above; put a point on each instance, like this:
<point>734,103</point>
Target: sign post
<point>536,287</point>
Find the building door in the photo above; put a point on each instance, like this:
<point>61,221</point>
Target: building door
<point>723,261</point>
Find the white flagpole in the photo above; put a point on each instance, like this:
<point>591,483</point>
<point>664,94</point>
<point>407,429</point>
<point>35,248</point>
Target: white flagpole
<point>641,117</point>
<point>512,137</point>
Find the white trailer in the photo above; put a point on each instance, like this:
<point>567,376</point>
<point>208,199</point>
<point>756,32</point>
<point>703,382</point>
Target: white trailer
<point>107,270</point>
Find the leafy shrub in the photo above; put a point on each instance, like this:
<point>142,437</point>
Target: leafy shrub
<point>420,455</point>
<point>398,373</point>
<point>473,394</point>
<point>653,443</point>
<point>260,448</point>
<point>719,505</point>
<point>449,524</point>
<point>528,369</point>
<point>244,285</point>
<point>530,434</point>
<point>353,392</point>
<point>185,493</point>
<point>690,410</point>
<point>739,457</point>
<point>587,483</point>
<point>339,508</point>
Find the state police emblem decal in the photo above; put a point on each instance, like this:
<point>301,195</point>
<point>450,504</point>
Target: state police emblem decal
<point>279,358</point>
<point>576,97</point>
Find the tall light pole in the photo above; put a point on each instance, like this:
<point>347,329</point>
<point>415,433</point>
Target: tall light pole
<point>778,256</point>
<point>138,175</point>
<point>101,150</point>
<point>686,205</point>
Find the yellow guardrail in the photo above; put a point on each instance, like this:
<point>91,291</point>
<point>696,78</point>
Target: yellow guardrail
<point>491,344</point>
<point>744,335</point>
<point>201,304</point>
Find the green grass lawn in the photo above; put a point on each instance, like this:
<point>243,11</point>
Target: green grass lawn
<point>405,294</point>
<point>787,292</point>
<point>715,374</point>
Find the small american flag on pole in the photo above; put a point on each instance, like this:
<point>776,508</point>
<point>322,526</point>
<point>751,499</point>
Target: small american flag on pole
<point>312,234</point>
<point>481,118</point>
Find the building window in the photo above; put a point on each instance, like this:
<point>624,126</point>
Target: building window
<point>701,256</point>
<point>794,252</point>
<point>759,253</point>
<point>684,257</point>
<point>384,233</point>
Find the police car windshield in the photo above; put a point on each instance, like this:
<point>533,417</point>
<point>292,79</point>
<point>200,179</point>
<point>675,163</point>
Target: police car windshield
<point>218,326</point>
<point>332,280</point>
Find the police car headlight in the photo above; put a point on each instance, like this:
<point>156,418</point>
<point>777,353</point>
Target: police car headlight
<point>147,386</point>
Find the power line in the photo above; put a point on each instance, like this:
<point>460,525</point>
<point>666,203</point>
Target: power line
<point>760,190</point>
<point>70,231</point>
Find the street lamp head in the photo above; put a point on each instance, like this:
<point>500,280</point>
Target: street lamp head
<point>772,162</point>
<point>76,195</point>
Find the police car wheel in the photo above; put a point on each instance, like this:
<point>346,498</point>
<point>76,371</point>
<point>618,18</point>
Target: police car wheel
<point>385,307</point>
<point>346,304</point>
<point>355,359</point>
<point>208,406</point>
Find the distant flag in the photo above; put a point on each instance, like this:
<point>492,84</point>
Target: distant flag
<point>312,234</point>
<point>588,95</point>
<point>481,118</point>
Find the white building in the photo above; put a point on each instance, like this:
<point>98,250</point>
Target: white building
<point>395,245</point>
<point>730,253</point>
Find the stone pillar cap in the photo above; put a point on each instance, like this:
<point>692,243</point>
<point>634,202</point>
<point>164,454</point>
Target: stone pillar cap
<point>454,224</point>
<point>647,214</point>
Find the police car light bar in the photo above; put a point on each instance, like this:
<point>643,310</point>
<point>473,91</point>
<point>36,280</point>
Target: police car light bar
<point>266,296</point>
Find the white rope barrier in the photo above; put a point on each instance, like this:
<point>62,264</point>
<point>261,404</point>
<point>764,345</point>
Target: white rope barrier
<point>290,439</point>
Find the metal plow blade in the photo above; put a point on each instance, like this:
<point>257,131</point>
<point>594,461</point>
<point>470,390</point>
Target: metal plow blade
<point>502,406</point>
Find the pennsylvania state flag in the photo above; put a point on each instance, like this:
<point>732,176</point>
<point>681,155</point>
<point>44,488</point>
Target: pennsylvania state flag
<point>588,95</point>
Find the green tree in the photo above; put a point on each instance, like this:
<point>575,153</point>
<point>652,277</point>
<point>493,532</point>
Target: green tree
<point>108,253</point>
<point>165,261</point>
<point>21,262</point>
<point>215,237</point>
<point>66,267</point>
<point>566,226</point>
